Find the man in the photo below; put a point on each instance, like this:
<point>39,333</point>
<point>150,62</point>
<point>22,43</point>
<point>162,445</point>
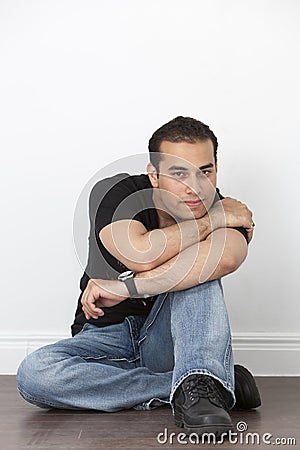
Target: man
<point>151,325</point>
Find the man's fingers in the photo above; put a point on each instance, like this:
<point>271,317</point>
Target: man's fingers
<point>87,316</point>
<point>93,310</point>
<point>92,313</point>
<point>91,301</point>
<point>88,304</point>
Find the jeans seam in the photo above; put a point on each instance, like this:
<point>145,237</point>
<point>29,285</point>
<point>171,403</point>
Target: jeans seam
<point>83,328</point>
<point>110,358</point>
<point>134,346</point>
<point>36,400</point>
<point>227,360</point>
<point>153,319</point>
<point>93,357</point>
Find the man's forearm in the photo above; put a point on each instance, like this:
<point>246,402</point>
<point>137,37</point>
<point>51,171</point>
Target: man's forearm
<point>222,253</point>
<point>178,237</point>
<point>142,250</point>
<point>209,260</point>
<point>181,272</point>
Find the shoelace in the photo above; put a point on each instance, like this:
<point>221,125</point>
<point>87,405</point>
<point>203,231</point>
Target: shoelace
<point>202,386</point>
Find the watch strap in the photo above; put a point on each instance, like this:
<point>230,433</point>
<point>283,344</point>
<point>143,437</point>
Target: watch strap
<point>130,284</point>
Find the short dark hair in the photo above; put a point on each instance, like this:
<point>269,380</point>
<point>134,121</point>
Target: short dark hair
<point>180,129</point>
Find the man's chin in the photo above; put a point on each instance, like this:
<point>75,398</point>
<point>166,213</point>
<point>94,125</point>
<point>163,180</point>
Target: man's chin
<point>192,215</point>
<point>198,215</point>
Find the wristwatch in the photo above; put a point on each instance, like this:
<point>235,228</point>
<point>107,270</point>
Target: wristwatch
<point>127,278</point>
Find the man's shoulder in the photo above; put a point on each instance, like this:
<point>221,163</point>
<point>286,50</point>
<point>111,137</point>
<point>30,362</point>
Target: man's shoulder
<point>121,181</point>
<point>115,188</point>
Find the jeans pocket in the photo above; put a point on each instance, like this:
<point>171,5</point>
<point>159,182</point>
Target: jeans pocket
<point>87,326</point>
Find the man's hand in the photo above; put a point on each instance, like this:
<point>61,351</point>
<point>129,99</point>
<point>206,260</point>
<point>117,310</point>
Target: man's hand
<point>231,213</point>
<point>99,293</point>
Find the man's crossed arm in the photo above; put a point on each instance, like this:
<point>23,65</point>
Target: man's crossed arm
<point>193,252</point>
<point>141,250</point>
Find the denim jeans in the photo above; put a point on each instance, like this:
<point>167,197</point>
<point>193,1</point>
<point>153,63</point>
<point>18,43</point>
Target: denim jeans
<point>138,363</point>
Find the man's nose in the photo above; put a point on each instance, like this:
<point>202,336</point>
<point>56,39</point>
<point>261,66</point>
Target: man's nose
<point>194,185</point>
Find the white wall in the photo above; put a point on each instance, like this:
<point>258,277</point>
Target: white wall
<point>84,83</point>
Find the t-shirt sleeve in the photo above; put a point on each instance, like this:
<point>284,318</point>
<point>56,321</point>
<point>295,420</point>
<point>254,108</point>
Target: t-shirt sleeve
<point>107,203</point>
<point>120,201</point>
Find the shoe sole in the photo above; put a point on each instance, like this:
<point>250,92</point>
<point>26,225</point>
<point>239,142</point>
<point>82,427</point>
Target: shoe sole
<point>216,429</point>
<point>246,389</point>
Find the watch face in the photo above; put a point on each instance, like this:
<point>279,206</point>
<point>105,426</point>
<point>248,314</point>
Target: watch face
<point>125,275</point>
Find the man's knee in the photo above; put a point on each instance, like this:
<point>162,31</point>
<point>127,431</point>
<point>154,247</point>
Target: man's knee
<point>34,375</point>
<point>213,287</point>
<point>205,299</point>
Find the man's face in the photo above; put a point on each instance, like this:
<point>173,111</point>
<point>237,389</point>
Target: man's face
<point>187,179</point>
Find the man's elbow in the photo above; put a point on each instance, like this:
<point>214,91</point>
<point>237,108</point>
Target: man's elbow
<point>126,256</point>
<point>232,262</point>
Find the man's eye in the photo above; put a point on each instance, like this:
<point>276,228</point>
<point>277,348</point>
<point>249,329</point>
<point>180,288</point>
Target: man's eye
<point>179,174</point>
<point>205,172</point>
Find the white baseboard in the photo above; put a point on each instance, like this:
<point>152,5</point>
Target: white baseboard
<point>268,354</point>
<point>265,354</point>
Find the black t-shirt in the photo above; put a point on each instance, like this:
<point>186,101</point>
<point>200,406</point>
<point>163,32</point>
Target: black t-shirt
<point>122,196</point>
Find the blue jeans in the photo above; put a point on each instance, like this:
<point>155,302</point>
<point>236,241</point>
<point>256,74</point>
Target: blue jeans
<point>138,363</point>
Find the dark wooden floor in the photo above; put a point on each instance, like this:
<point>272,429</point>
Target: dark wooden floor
<point>23,426</point>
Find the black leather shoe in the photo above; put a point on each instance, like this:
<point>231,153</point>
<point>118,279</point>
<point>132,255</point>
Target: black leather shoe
<point>246,392</point>
<point>200,408</point>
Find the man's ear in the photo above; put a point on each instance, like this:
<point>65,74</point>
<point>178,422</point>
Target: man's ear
<point>152,174</point>
<point>216,166</point>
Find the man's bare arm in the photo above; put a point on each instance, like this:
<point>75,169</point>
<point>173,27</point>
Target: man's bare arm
<point>222,253</point>
<point>141,250</point>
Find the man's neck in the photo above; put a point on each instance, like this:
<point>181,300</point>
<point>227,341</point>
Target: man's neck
<point>164,219</point>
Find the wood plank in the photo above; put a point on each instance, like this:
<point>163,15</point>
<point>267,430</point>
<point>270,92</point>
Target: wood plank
<point>24,426</point>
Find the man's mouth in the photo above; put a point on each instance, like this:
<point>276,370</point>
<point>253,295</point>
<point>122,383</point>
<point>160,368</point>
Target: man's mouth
<point>194,203</point>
